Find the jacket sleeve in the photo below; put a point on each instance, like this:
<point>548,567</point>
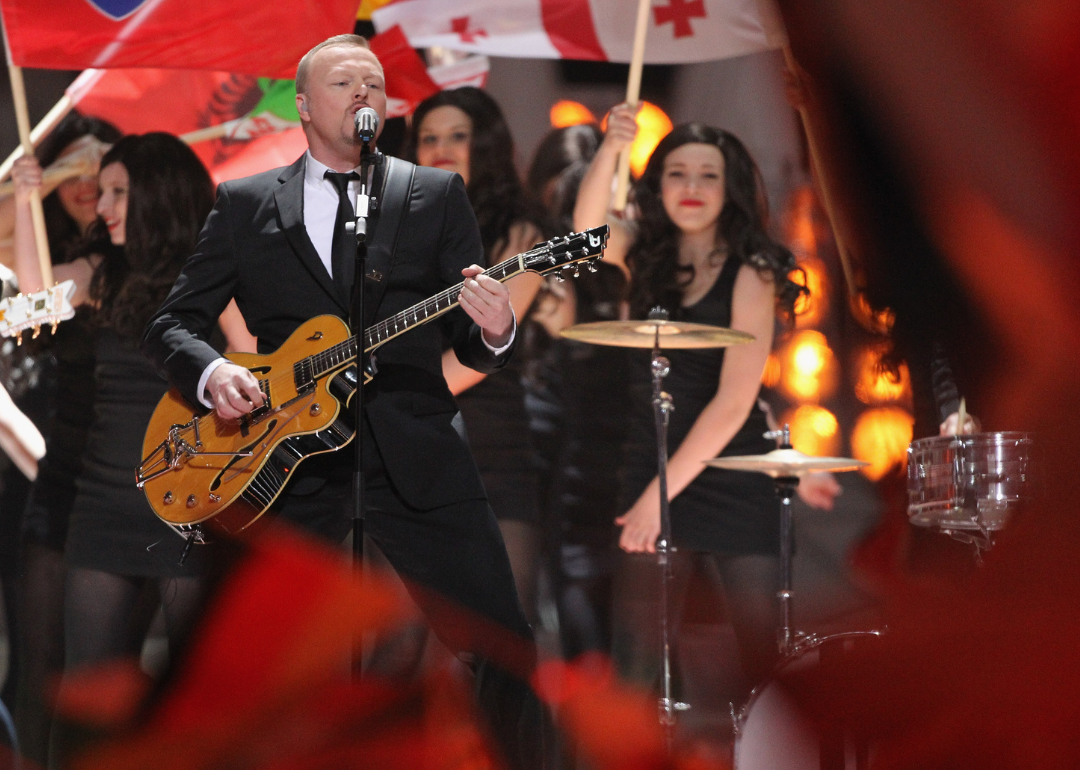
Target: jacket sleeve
<point>459,247</point>
<point>176,338</point>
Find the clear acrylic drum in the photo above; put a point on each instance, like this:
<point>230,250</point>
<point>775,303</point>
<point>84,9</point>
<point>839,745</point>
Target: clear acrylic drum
<point>968,482</point>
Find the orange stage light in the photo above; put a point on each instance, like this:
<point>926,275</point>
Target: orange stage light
<point>770,375</point>
<point>653,125</point>
<point>876,321</point>
<point>874,386</point>
<point>810,309</point>
<point>568,113</point>
<point>809,367</point>
<point>814,430</point>
<point>799,232</point>
<point>881,437</point>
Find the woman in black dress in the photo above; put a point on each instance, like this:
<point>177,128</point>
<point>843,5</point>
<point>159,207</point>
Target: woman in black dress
<point>577,399</point>
<point>699,249</point>
<point>155,195</point>
<point>463,130</point>
<point>60,401</point>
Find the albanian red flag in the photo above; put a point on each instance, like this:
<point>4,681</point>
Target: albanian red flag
<point>243,36</point>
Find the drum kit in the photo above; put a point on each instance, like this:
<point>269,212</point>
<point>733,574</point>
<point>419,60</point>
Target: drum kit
<point>966,486</point>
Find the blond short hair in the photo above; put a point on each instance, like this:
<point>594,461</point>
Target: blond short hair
<point>302,68</point>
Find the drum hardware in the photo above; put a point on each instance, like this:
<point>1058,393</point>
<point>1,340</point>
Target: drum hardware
<point>786,465</point>
<point>771,734</point>
<point>759,746</point>
<point>647,334</point>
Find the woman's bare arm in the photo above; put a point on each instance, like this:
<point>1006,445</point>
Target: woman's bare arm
<point>237,337</point>
<point>523,288</point>
<point>592,207</point>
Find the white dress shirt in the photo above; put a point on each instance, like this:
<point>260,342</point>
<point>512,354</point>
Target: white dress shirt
<point>320,216</point>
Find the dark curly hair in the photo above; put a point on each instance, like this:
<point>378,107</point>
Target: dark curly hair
<point>658,279</point>
<point>63,231</point>
<point>169,197</point>
<point>495,191</point>
<point>559,149</point>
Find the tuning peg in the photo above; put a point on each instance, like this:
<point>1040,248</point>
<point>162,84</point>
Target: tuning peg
<point>552,260</point>
<point>591,267</point>
<point>577,272</point>
<point>37,331</point>
<point>56,322</point>
<point>557,277</point>
<point>18,339</point>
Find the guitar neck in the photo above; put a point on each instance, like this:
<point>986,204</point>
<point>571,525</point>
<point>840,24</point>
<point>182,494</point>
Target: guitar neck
<point>321,364</point>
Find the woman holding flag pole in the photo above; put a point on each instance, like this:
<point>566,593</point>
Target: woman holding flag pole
<point>155,195</point>
<point>62,397</point>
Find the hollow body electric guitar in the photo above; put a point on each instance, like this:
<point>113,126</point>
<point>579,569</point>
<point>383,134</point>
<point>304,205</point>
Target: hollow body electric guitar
<point>201,472</point>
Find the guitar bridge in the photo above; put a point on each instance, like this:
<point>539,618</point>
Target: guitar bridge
<point>258,413</point>
<point>175,450</point>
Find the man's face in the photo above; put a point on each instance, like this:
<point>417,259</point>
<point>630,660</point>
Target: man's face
<point>341,80</point>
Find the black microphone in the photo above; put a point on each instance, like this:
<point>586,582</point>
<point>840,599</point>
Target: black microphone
<point>367,123</point>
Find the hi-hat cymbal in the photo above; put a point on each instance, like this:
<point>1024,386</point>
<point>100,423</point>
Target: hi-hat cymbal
<point>642,334</point>
<point>786,462</point>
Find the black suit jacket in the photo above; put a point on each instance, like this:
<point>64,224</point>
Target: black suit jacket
<point>254,247</point>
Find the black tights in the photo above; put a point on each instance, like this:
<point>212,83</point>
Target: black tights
<point>749,585</point>
<point>106,615</point>
<point>522,541</point>
<point>41,645</point>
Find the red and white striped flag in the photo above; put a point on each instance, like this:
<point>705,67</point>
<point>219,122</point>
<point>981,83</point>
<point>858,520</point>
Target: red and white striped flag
<point>603,30</point>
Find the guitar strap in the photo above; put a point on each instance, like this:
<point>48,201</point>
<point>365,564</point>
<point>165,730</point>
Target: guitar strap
<point>396,194</point>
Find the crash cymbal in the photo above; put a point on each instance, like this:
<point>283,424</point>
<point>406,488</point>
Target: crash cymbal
<point>786,462</point>
<point>642,334</point>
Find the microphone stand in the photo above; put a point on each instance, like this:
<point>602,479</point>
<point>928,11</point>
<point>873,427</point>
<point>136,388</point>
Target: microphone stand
<point>364,202</point>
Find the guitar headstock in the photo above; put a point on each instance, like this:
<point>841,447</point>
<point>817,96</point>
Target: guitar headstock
<point>568,252</point>
<point>32,311</point>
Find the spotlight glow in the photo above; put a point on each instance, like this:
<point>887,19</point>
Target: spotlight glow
<point>881,437</point>
<point>569,113</point>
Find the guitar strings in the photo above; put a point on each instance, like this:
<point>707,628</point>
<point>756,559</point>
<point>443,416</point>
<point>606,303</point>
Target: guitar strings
<point>343,352</point>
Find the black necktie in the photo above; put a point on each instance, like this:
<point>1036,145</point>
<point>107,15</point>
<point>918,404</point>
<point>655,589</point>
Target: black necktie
<point>343,248</point>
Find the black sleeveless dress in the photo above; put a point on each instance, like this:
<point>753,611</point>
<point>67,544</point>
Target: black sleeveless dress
<point>497,425</point>
<point>112,527</point>
<point>728,512</point>
<point>53,492</point>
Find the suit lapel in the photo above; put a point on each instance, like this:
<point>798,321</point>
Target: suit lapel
<point>289,198</point>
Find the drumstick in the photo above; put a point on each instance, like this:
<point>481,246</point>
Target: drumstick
<point>633,91</point>
<point>961,416</point>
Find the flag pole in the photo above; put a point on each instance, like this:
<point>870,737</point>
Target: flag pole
<point>206,134</point>
<point>22,120</point>
<point>633,91</point>
<point>40,131</point>
<point>824,184</point>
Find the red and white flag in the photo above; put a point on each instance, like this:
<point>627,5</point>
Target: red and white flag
<point>603,30</point>
<point>407,79</point>
<point>255,37</point>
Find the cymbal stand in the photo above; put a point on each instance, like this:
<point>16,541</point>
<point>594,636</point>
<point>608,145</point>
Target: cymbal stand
<point>785,490</point>
<point>662,407</point>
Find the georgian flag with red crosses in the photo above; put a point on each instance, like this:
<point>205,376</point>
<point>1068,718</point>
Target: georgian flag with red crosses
<point>679,31</point>
<point>253,37</point>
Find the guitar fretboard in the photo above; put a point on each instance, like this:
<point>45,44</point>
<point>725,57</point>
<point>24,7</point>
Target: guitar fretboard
<point>309,369</point>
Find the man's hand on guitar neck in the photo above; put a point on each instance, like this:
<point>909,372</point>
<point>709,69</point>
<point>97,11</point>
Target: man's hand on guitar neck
<point>234,391</point>
<point>487,302</point>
